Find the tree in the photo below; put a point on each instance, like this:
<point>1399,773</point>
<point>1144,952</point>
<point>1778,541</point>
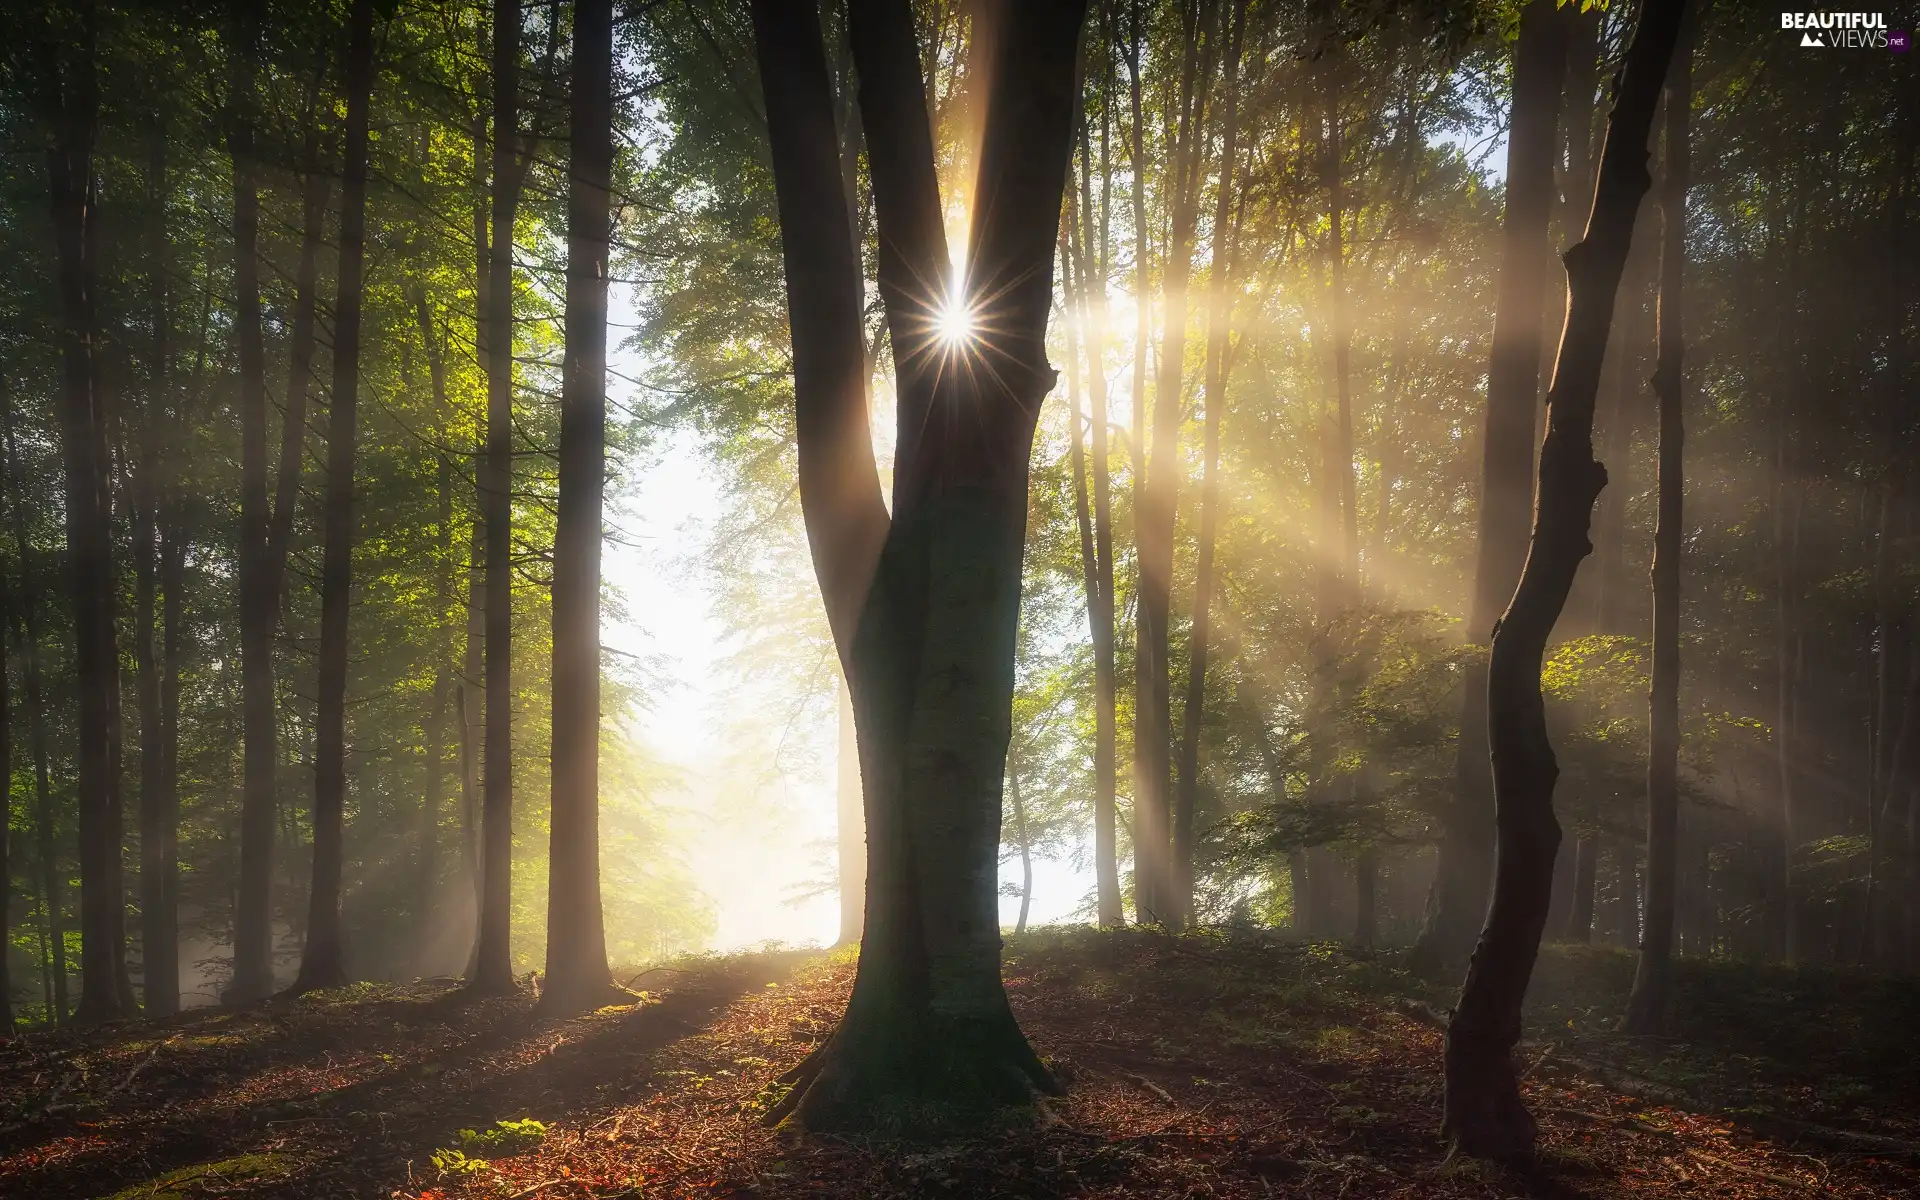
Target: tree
<point>1652,979</point>
<point>323,960</point>
<point>492,969</point>
<point>259,613</point>
<point>577,974</point>
<point>923,614</point>
<point>1457,901</point>
<point>1219,319</point>
<point>1484,1115</point>
<point>73,112</point>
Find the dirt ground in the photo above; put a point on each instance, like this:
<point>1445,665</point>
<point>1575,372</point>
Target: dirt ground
<point>1200,1066</point>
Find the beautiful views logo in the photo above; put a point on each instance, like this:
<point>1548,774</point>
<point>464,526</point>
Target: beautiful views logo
<point>1835,30</point>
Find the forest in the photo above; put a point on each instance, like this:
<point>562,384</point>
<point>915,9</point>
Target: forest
<point>606,599</point>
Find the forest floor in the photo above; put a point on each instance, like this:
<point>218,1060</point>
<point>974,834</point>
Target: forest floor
<point>1225,1066</point>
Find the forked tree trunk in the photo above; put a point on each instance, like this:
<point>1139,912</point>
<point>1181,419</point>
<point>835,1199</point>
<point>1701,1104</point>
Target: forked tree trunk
<point>253,914</point>
<point>1219,318</point>
<point>323,959</point>
<point>493,957</point>
<point>1646,1006</point>
<point>73,109</point>
<point>577,973</point>
<point>1484,1115</point>
<point>1457,901</point>
<point>927,631</point>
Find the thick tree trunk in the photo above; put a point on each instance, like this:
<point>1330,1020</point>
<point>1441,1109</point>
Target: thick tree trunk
<point>6,821</point>
<point>1100,599</point>
<point>1219,319</point>
<point>323,960</point>
<point>105,991</point>
<point>928,1038</point>
<point>577,973</point>
<point>1646,1006</point>
<point>493,957</point>
<point>1484,1114</point>
<point>1457,902</point>
<point>259,612</point>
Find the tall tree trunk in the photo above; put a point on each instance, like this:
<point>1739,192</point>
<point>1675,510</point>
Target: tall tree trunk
<point>1783,909</point>
<point>927,631</point>
<point>323,960</point>
<point>1154,525</point>
<point>1457,901</point>
<point>577,973</point>
<point>1149,828</point>
<point>26,629</point>
<point>493,958</point>
<point>1646,1006</point>
<point>433,729</point>
<point>1024,842</point>
<point>259,613</point>
<point>1219,325</point>
<point>74,109</point>
<point>293,424</point>
<point>852,841</point>
<point>6,818</point>
<point>1586,871</point>
<point>1092,273</point>
<point>1484,1115</point>
<point>159,949</point>
<point>470,698</point>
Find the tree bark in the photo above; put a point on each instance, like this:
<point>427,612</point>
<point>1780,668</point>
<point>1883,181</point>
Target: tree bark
<point>577,976</point>
<point>26,628</point>
<point>323,959</point>
<point>1457,901</point>
<point>1159,901</point>
<point>259,613</point>
<point>1586,870</point>
<point>73,104</point>
<point>1646,1006</point>
<point>1484,1115</point>
<point>493,956</point>
<point>928,1038</point>
<point>433,730</point>
<point>1150,834</point>
<point>159,937</point>
<point>1219,328</point>
<point>852,841</point>
<point>1099,564</point>
<point>1026,846</point>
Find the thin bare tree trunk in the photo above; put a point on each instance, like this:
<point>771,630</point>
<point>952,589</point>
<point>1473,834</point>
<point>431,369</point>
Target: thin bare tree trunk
<point>1150,834</point>
<point>1485,1116</point>
<point>323,959</point>
<point>1646,1006</point>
